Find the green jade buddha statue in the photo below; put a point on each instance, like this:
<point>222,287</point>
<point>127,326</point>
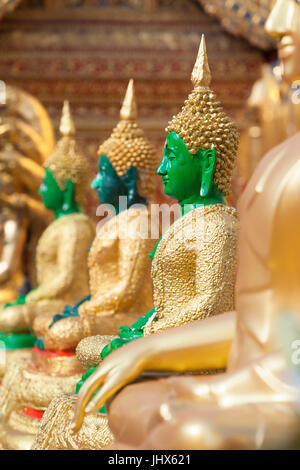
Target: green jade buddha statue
<point>62,195</point>
<point>61,202</point>
<point>177,167</point>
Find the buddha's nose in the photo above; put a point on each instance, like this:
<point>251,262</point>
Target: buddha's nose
<point>41,189</point>
<point>280,19</point>
<point>162,169</point>
<point>95,182</point>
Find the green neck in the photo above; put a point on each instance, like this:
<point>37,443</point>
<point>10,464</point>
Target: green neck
<point>60,201</point>
<point>67,209</point>
<point>215,196</point>
<point>111,187</point>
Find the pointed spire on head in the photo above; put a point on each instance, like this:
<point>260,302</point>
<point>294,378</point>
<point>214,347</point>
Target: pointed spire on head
<point>66,127</point>
<point>128,147</point>
<point>66,162</point>
<point>201,73</point>
<point>129,109</point>
<point>202,123</point>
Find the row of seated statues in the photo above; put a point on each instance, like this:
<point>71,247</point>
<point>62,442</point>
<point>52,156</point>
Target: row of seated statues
<point>194,314</point>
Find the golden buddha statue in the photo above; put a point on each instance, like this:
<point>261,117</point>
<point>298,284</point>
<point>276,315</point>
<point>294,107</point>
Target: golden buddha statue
<point>252,405</point>
<point>26,140</point>
<point>120,284</point>
<point>194,262</point>
<point>273,112</point>
<point>13,236</point>
<point>272,117</point>
<point>63,192</point>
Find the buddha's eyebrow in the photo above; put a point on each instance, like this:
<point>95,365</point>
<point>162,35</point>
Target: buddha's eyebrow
<point>170,149</point>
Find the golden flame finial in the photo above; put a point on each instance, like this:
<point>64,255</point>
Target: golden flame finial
<point>201,73</point>
<point>129,110</point>
<point>127,146</point>
<point>66,127</point>
<point>203,124</point>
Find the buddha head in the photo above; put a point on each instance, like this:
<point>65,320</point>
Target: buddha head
<point>201,144</point>
<point>66,177</point>
<point>110,186</point>
<point>30,131</point>
<point>127,160</point>
<point>284,23</point>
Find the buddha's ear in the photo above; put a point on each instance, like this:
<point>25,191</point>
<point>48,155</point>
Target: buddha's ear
<point>209,158</point>
<point>69,194</point>
<point>130,179</point>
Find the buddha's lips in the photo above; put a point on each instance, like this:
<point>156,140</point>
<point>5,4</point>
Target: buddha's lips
<point>52,353</point>
<point>33,413</point>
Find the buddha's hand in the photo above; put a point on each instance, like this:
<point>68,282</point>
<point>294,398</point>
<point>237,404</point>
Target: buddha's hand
<point>129,333</point>
<point>116,371</point>
<point>126,335</point>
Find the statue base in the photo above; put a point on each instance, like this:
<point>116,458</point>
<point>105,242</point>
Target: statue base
<point>19,431</point>
<point>28,388</point>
